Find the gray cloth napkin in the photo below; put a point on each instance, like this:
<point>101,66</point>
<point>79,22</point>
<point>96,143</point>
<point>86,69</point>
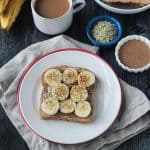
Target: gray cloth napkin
<point>134,119</point>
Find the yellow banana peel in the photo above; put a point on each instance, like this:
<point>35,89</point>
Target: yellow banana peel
<point>3,4</point>
<point>8,17</point>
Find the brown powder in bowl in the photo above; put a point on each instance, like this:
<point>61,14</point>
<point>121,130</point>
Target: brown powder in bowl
<point>135,54</point>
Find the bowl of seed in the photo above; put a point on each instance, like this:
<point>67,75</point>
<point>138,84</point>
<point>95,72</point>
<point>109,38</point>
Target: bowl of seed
<point>104,31</point>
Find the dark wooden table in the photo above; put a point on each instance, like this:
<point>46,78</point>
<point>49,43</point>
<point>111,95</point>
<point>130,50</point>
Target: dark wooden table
<point>24,33</point>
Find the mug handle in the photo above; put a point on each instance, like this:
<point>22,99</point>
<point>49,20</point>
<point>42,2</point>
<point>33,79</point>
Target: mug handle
<point>78,5</point>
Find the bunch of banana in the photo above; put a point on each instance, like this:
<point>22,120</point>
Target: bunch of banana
<point>3,4</point>
<point>9,10</point>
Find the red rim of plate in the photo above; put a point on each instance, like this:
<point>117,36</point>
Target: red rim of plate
<point>47,54</point>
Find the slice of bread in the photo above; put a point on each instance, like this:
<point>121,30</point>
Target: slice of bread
<point>68,117</point>
<point>130,2</point>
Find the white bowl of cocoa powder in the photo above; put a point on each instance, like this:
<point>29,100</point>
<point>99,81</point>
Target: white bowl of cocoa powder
<point>133,53</point>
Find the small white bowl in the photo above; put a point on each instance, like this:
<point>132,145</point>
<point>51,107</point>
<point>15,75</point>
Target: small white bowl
<point>122,42</point>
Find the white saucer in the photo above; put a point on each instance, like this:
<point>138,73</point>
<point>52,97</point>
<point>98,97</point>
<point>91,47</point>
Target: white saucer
<point>108,98</point>
<point>122,9</point>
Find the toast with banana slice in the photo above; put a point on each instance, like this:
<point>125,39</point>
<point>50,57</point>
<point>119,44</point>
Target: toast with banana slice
<point>69,94</point>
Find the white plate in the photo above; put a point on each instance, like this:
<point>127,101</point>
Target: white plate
<point>122,9</point>
<point>108,101</point>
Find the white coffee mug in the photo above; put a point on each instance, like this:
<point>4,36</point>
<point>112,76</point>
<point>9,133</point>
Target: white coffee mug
<point>56,25</point>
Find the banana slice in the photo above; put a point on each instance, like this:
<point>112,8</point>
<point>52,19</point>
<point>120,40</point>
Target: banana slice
<point>50,106</point>
<point>83,109</point>
<point>67,106</point>
<point>52,76</point>
<point>78,93</point>
<point>49,96</point>
<point>86,78</point>
<point>60,90</point>
<point>46,93</point>
<point>70,75</point>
